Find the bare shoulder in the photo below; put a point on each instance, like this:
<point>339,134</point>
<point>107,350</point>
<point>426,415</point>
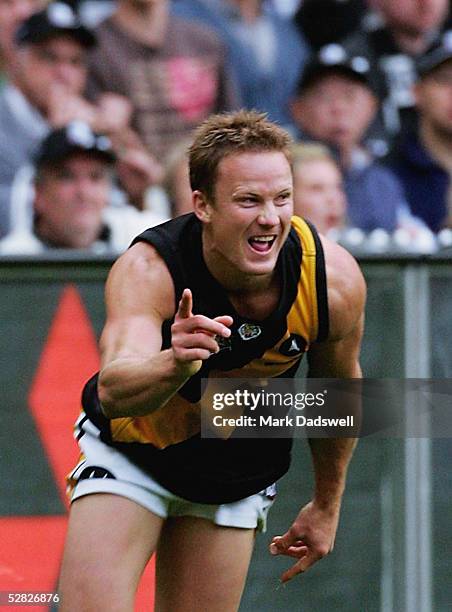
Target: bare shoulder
<point>139,281</point>
<point>346,290</point>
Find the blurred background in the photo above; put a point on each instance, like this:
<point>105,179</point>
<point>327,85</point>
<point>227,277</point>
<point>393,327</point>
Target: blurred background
<point>98,101</point>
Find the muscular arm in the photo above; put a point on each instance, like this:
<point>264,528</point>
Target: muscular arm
<point>337,358</point>
<point>136,376</point>
<point>312,534</point>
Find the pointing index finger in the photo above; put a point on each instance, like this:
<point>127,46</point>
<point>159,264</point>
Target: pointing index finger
<point>185,305</point>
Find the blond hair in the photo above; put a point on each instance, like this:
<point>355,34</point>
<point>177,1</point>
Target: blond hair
<point>303,152</point>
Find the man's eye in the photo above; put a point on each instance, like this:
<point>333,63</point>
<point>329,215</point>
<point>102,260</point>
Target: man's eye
<point>282,199</point>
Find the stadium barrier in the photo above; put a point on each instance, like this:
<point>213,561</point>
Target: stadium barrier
<point>391,552</point>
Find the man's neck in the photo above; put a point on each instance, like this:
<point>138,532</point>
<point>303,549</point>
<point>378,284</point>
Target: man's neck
<point>438,144</point>
<point>145,24</point>
<point>253,296</point>
<point>259,303</point>
<point>235,281</point>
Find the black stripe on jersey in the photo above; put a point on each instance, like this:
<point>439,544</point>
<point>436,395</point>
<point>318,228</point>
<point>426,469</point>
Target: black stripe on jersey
<point>321,287</point>
<point>180,244</point>
<point>80,426</point>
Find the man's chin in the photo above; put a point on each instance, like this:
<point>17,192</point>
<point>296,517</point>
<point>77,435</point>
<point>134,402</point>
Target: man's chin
<point>260,268</point>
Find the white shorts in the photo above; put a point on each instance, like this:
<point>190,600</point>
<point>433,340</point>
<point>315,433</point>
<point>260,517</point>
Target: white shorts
<point>103,469</point>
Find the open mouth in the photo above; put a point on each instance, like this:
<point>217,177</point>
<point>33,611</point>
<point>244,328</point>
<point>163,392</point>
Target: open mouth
<point>262,244</point>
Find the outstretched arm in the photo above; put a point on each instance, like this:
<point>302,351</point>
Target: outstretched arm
<point>312,534</point>
<point>136,376</point>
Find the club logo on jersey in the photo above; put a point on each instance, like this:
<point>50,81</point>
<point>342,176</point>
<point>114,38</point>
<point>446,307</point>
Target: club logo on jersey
<point>294,345</point>
<point>249,331</point>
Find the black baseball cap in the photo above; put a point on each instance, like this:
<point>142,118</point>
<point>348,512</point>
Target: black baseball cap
<point>76,137</point>
<point>439,52</point>
<point>57,18</point>
<point>334,59</point>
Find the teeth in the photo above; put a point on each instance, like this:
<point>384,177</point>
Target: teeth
<point>262,238</point>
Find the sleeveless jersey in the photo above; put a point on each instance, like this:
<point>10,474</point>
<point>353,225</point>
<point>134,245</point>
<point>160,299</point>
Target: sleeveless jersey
<point>167,443</point>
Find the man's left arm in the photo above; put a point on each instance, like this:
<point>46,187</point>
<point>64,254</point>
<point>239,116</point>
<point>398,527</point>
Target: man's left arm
<point>312,534</point>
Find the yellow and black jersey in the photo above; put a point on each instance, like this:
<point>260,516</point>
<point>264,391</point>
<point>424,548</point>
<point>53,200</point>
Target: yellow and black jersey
<point>167,442</point>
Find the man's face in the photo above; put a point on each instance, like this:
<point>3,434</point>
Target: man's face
<point>336,110</point>
<point>12,13</point>
<point>56,63</point>
<point>248,222</point>
<point>70,199</point>
<point>413,16</point>
<point>318,193</point>
<point>434,98</point>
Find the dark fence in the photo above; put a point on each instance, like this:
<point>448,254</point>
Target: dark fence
<point>392,547</point>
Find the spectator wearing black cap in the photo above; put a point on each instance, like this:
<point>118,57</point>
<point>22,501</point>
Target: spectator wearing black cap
<point>423,159</point>
<point>46,91</point>
<point>336,105</point>
<point>12,13</point>
<point>49,70</point>
<point>393,39</point>
<point>72,184</point>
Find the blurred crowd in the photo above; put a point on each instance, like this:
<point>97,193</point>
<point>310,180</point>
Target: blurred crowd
<point>99,98</point>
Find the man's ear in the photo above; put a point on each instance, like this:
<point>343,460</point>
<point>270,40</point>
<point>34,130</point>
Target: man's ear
<point>201,206</point>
